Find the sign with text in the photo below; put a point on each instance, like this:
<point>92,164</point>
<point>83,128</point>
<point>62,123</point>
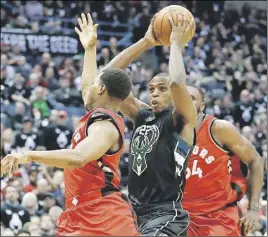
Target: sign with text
<point>41,43</point>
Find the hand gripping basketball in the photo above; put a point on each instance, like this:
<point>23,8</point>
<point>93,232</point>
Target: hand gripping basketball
<point>179,30</point>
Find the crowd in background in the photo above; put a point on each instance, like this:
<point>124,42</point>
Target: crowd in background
<point>41,102</point>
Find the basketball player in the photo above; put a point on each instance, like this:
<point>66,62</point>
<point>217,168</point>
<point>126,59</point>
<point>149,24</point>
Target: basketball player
<point>211,190</point>
<point>162,140</point>
<point>91,174</point>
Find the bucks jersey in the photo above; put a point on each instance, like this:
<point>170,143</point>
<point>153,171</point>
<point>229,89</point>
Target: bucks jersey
<point>158,159</point>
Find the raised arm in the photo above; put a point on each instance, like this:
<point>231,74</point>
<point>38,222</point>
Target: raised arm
<point>131,105</point>
<point>182,99</point>
<point>226,134</point>
<point>128,55</point>
<point>88,38</point>
<point>102,136</point>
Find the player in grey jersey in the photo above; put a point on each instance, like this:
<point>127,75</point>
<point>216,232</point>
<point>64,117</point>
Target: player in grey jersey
<point>162,140</point>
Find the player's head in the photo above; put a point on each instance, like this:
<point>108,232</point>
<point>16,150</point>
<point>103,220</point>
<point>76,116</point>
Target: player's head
<point>110,86</point>
<point>160,94</point>
<point>197,95</point>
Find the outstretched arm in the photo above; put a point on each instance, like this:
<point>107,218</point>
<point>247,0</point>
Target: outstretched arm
<point>226,134</point>
<point>103,131</point>
<point>182,99</point>
<point>88,38</point>
<point>131,105</point>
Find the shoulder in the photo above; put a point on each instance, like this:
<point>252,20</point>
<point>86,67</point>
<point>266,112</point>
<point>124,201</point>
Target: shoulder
<point>143,116</point>
<point>220,125</point>
<point>223,130</point>
<point>105,127</point>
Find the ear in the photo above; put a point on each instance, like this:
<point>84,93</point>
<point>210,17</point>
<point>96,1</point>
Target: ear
<point>202,106</point>
<point>102,89</point>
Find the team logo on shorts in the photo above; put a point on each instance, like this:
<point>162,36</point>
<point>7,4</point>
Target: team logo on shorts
<point>142,144</point>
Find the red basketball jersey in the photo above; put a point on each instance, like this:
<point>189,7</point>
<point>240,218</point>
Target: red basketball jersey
<point>208,185</point>
<point>99,176</point>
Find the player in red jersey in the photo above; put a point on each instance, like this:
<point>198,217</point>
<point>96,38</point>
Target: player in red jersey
<point>94,204</point>
<point>211,192</point>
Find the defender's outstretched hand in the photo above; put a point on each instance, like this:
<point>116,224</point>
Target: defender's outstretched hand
<point>10,163</point>
<point>179,30</point>
<point>88,33</point>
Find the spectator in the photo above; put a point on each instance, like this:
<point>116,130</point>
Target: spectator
<point>52,82</point>
<point>113,47</point>
<point>35,78</point>
<point>47,226</point>
<point>54,213</point>
<point>59,136</point>
<point>13,215</point>
<point>28,139</point>
<point>104,58</point>
<point>18,91</point>
<point>66,94</point>
<point>34,10</point>
<point>7,141</point>
<point>23,67</point>
<point>40,104</point>
<point>244,111</point>
<point>30,203</point>
<point>16,119</point>
<point>34,229</point>
<point>10,71</point>
<point>17,184</point>
<point>32,179</point>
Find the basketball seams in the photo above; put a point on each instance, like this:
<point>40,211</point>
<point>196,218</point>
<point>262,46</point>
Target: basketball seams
<point>163,27</point>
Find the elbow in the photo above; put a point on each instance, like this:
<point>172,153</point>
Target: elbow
<point>77,160</point>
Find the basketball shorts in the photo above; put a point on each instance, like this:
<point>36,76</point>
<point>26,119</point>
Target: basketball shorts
<point>110,215</point>
<point>165,219</point>
<point>224,222</point>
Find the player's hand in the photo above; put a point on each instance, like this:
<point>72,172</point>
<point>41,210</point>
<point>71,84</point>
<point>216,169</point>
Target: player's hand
<point>10,163</point>
<point>88,33</point>
<point>150,36</point>
<point>249,220</point>
<point>180,29</point>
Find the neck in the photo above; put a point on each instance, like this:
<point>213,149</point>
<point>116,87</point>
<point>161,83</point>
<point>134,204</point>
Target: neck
<point>200,119</point>
<point>111,105</point>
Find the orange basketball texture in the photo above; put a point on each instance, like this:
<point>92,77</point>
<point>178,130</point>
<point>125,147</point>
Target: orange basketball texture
<point>162,27</point>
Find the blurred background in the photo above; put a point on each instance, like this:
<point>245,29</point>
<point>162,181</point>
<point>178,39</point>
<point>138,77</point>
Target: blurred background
<point>41,64</point>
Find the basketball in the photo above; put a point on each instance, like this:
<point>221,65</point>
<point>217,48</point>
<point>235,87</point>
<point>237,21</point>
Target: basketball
<point>162,27</point>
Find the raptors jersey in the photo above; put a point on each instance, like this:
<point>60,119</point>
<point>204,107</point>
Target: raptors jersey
<point>208,185</point>
<point>98,177</point>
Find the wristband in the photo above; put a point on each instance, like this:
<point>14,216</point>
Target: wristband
<point>253,209</point>
<point>25,159</point>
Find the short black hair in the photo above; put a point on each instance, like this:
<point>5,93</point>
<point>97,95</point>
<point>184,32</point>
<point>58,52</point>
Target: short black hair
<point>163,75</point>
<point>200,90</point>
<point>117,83</point>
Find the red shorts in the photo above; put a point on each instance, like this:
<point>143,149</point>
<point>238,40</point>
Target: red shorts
<point>109,215</point>
<point>224,222</point>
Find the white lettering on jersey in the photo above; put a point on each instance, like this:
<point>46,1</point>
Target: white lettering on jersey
<point>77,137</point>
<point>194,170</point>
<point>203,153</point>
